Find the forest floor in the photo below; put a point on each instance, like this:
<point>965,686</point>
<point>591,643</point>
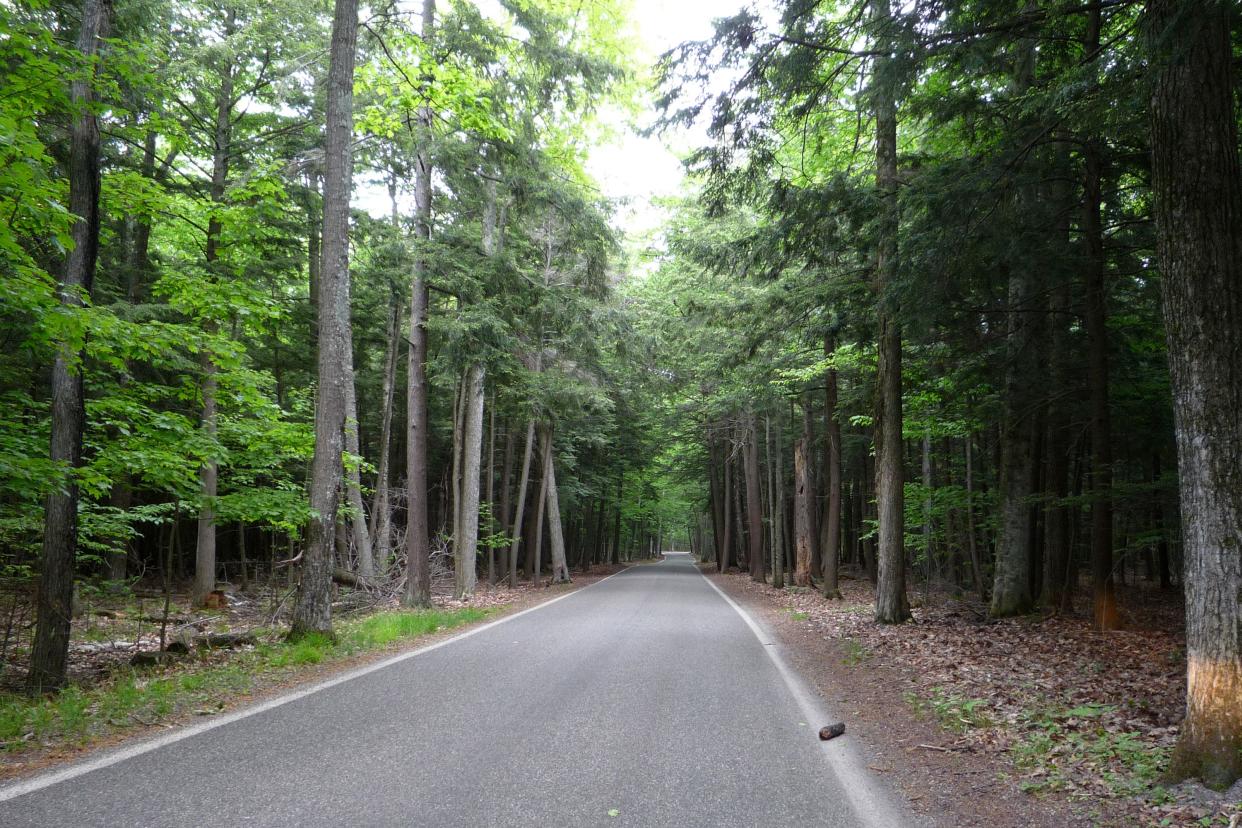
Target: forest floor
<point>109,700</point>
<point>1037,722</point>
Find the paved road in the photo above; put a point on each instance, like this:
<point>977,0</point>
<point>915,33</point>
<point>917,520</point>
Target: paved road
<point>646,694</point>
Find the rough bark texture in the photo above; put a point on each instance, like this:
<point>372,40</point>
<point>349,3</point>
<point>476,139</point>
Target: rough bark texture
<point>467,542</point>
<point>313,611</point>
<point>1197,186</point>
<point>560,569</point>
<point>754,505</point>
<point>208,477</point>
<point>49,655</point>
<point>802,514</point>
<point>417,549</point>
<point>891,604</point>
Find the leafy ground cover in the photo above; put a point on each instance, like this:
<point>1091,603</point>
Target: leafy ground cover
<point>1070,714</point>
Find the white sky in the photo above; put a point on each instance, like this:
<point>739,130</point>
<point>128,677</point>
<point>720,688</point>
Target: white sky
<point>635,169</point>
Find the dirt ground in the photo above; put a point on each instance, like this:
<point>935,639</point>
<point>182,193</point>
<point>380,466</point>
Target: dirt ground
<point>1004,679</point>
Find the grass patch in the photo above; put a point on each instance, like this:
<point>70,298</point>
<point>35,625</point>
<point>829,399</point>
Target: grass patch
<point>133,697</point>
<point>797,615</point>
<point>855,653</point>
<point>953,712</point>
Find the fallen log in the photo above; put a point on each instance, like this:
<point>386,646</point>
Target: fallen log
<point>155,658</point>
<point>223,641</point>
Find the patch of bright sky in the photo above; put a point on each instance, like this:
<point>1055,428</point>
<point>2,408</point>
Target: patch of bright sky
<point>633,170</point>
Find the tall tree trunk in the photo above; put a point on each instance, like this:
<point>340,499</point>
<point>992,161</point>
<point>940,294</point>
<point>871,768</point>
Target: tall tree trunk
<point>776,476</point>
<point>1104,601</point>
<point>1197,185</point>
<point>506,479</point>
<point>381,510</point>
<point>716,490</point>
<point>726,558</point>
<point>417,539</point>
<point>831,530</point>
<point>560,570</point>
<point>520,506</point>
<point>205,547</point>
<point>490,477</point>
<point>467,542</point>
<point>891,605</point>
<point>49,655</point>
<point>808,435</point>
<point>754,506</point>
<point>616,526</point>
<point>313,611</point>
<point>535,553</point>
<point>802,513</point>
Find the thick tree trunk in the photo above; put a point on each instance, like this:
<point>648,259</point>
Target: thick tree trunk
<point>49,655</point>
<point>313,611</point>
<point>891,605</point>
<point>754,506</point>
<point>1197,185</point>
<point>417,536</point>
<point>802,513</point>
<point>831,530</point>
<point>467,542</point>
<point>560,570</point>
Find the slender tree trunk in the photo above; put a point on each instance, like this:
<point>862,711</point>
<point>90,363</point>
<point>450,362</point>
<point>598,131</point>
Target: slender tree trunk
<point>891,604</point>
<point>381,511</point>
<point>808,435</point>
<point>754,507</point>
<point>521,502</point>
<point>536,551</point>
<point>831,552</point>
<point>205,547</point>
<point>716,489</point>
<point>490,477</point>
<point>353,474</point>
<point>1104,601</point>
<point>1197,188</point>
<point>726,559</point>
<point>49,655</point>
<point>417,537</point>
<point>472,449</point>
<point>313,611</point>
<point>506,480</point>
<point>776,473</point>
<point>616,526</point>
<point>560,570</point>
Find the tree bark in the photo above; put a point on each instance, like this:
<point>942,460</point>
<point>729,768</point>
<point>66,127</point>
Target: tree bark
<point>49,655</point>
<point>802,513</point>
<point>417,540</point>
<point>754,505</point>
<point>560,569</point>
<point>313,611</point>
<point>520,506</point>
<point>353,476</point>
<point>776,476</point>
<point>1197,188</point>
<point>891,604</point>
<point>467,542</point>
<point>381,510</point>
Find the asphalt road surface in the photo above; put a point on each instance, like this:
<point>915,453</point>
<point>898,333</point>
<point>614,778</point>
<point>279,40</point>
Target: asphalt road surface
<point>646,699</point>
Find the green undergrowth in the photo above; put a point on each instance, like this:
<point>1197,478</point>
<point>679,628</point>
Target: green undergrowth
<point>952,711</point>
<point>1063,742</point>
<point>201,685</point>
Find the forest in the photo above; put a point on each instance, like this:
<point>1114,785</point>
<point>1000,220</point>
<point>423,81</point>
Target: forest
<point>313,299</point>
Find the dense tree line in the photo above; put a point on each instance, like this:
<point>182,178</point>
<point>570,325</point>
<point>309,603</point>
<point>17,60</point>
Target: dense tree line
<point>958,258</point>
<point>228,228</point>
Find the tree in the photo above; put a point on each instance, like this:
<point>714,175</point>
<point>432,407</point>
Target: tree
<point>1197,184</point>
<point>313,611</point>
<point>50,653</point>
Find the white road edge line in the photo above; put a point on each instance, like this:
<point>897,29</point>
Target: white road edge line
<point>50,778</point>
<point>874,806</point>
